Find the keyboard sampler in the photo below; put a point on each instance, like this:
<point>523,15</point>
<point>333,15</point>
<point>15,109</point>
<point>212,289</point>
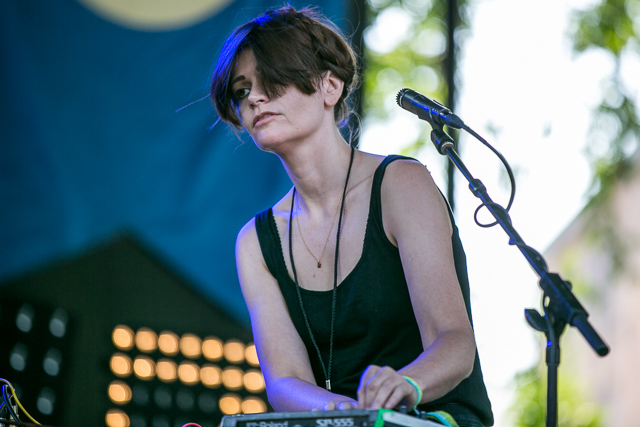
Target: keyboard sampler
<point>350,418</point>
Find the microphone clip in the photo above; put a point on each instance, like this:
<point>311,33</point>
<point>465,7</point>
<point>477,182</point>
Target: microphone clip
<point>442,140</point>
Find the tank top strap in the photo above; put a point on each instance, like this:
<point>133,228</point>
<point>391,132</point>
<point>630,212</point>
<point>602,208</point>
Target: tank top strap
<point>375,207</point>
<point>270,244</point>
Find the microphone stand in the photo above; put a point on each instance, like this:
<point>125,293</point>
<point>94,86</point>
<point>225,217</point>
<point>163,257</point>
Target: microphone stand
<point>560,306</point>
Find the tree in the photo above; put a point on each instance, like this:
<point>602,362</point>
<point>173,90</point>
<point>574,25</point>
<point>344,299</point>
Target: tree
<point>611,26</point>
<point>421,57</point>
<point>529,407</point>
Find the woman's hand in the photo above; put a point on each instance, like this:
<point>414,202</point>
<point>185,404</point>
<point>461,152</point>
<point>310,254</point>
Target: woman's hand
<point>339,406</point>
<point>383,387</point>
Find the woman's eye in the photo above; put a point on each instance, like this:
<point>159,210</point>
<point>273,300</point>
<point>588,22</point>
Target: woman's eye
<point>241,93</point>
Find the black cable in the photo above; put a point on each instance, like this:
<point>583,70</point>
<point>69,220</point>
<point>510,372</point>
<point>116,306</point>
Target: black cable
<point>504,162</point>
<point>524,247</point>
<point>494,205</point>
<point>327,372</point>
<point>8,403</point>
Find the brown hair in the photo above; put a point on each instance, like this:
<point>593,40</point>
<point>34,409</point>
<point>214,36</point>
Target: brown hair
<point>291,48</point>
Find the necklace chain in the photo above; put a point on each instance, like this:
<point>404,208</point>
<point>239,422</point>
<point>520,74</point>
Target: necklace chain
<point>327,372</point>
<point>318,259</point>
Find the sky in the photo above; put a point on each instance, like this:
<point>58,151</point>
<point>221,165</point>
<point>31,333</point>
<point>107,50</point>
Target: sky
<point>525,91</point>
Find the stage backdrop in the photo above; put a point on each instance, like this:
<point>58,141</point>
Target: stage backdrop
<point>102,134</point>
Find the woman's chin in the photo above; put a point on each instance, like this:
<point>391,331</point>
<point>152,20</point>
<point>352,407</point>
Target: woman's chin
<point>265,144</point>
<point>267,141</point>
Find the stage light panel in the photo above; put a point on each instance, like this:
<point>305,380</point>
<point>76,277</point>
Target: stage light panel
<point>204,388</point>
<point>46,401</point>
<point>234,351</point>
<point>24,318</point>
<point>211,376</point>
<point>230,404</point>
<point>58,323</point>
<point>34,356</point>
<point>162,397</point>
<point>18,357</point>
<point>146,340</point>
<point>168,343</point>
<point>122,337</point>
<point>117,418</point>
<point>207,402</point>
<point>191,346</point>
<point>167,370</point>
<point>251,355</point>
<point>253,405</point>
<point>144,367</point>
<point>52,361</point>
<point>232,378</point>
<point>119,392</point>
<point>253,381</point>
<point>185,400</point>
<point>140,394</point>
<point>189,373</point>
<point>121,365</point>
<point>212,349</point>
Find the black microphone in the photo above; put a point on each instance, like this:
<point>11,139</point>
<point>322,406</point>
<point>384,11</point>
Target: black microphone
<point>427,109</point>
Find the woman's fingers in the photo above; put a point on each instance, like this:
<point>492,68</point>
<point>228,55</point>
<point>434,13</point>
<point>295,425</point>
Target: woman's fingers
<point>384,388</point>
<point>345,406</point>
<point>340,406</point>
<point>368,373</point>
<point>330,406</point>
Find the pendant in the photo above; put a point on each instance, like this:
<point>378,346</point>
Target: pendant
<point>319,264</point>
<point>328,384</point>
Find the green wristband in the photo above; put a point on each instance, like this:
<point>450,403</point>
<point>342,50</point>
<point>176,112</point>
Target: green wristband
<point>417,387</point>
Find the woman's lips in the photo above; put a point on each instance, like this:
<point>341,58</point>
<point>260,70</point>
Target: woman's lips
<point>262,118</point>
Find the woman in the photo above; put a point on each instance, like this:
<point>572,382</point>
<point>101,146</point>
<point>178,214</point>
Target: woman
<point>350,279</point>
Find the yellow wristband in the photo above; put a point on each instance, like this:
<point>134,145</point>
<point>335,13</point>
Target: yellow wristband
<point>418,389</point>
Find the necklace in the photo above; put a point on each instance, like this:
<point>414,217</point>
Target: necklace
<point>335,215</point>
<point>327,372</point>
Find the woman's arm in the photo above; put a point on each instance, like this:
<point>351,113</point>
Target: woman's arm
<point>283,357</point>
<point>416,219</point>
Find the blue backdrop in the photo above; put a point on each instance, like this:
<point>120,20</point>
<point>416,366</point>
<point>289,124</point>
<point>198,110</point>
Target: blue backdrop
<point>94,143</point>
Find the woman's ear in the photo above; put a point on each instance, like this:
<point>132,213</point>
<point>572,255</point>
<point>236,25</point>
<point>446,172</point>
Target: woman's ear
<point>332,88</point>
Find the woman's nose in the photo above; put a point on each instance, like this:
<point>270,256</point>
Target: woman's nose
<point>257,96</point>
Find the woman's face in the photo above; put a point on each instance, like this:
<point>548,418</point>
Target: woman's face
<point>293,116</point>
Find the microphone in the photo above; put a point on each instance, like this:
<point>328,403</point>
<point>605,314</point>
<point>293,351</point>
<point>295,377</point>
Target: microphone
<point>428,109</point>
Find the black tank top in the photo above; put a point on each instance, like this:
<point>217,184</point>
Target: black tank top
<point>374,322</point>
